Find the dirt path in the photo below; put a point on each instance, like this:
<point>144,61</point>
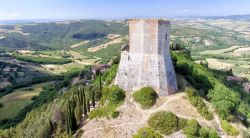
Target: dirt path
<point>139,109</point>
<point>97,48</point>
<point>132,117</point>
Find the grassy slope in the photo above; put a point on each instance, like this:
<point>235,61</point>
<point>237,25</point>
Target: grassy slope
<point>16,101</point>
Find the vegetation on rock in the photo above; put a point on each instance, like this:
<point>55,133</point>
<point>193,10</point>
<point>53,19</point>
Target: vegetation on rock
<point>229,129</point>
<point>223,97</point>
<point>196,101</point>
<point>193,129</point>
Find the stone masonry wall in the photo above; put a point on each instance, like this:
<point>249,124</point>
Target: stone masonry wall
<point>148,62</point>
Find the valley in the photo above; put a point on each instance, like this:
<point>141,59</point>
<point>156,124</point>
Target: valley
<point>43,67</point>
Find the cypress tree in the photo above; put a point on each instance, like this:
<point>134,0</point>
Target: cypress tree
<point>69,123</point>
<point>93,98</point>
<point>84,104</point>
<point>71,117</point>
<point>68,126</point>
<point>73,120</point>
<point>51,127</point>
<point>100,80</point>
<point>78,112</point>
<point>78,95</point>
<point>81,96</point>
<point>88,105</point>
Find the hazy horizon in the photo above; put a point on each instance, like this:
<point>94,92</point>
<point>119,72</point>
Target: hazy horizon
<point>122,9</point>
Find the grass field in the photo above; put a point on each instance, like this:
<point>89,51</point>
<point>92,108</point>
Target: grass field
<point>17,100</point>
<point>221,51</point>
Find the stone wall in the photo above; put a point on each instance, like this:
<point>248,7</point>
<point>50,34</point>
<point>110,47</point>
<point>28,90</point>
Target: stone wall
<point>148,62</point>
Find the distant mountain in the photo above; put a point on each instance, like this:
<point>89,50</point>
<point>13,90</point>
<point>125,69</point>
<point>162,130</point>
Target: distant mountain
<point>57,34</point>
<point>11,22</point>
<point>240,17</point>
<point>233,17</point>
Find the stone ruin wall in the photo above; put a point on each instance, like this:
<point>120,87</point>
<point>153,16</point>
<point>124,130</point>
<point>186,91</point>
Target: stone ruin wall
<point>147,62</point>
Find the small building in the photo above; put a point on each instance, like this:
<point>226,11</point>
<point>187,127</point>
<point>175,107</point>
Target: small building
<point>95,69</point>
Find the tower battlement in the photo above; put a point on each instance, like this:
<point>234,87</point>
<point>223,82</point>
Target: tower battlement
<point>149,36</point>
<point>147,61</point>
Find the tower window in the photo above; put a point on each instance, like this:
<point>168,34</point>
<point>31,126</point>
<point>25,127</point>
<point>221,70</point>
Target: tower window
<point>166,37</point>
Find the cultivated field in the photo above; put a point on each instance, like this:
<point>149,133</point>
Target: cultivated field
<point>78,60</point>
<point>223,43</point>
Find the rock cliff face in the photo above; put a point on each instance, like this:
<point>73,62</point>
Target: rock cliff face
<point>147,62</point>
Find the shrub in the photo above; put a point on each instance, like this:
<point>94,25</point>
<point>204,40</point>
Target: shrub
<point>229,129</point>
<point>116,95</point>
<point>1,105</point>
<point>147,132</point>
<point>115,114</point>
<point>204,133</point>
<point>146,97</point>
<point>182,123</point>
<point>164,122</point>
<point>111,98</point>
<point>192,128</point>
<point>213,134</point>
<point>34,98</point>
<point>116,60</point>
<point>102,111</point>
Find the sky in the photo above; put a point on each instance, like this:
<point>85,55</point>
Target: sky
<point>113,9</point>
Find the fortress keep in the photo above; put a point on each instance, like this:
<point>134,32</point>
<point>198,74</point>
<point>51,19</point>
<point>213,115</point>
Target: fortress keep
<point>146,61</point>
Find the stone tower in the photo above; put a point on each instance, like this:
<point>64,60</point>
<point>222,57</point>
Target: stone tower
<point>146,61</point>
